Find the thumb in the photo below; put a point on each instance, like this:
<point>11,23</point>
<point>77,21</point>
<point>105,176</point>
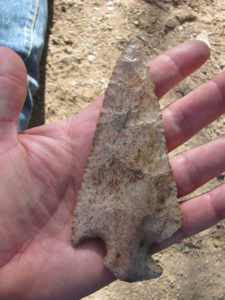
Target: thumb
<point>13,90</point>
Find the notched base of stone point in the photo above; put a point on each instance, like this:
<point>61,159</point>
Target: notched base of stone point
<point>128,197</point>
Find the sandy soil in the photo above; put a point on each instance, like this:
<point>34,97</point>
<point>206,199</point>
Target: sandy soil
<point>84,41</point>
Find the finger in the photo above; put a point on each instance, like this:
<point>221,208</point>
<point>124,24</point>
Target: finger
<point>88,280</point>
<point>13,89</point>
<point>191,113</point>
<point>195,167</point>
<point>199,213</point>
<point>177,63</point>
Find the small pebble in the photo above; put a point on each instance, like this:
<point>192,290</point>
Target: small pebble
<point>91,58</point>
<point>65,59</point>
<point>74,82</point>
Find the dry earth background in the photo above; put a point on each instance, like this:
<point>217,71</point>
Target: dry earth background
<point>84,40</point>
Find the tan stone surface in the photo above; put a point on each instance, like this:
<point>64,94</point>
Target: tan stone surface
<point>128,197</point>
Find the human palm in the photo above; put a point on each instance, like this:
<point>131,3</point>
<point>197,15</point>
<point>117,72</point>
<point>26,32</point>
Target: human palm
<point>41,172</point>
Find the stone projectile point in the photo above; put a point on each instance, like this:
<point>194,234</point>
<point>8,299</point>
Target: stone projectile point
<point>128,197</point>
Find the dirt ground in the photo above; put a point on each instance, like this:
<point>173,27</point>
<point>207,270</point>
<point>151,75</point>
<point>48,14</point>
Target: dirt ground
<point>84,40</point>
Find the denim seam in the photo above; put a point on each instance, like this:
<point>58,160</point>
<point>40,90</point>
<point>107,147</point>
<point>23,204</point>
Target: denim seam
<point>28,30</point>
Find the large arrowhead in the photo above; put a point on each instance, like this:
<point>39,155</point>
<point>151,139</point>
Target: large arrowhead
<point>128,197</point>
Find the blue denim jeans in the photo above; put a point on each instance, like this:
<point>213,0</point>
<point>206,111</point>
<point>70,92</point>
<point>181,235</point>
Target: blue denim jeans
<point>22,28</point>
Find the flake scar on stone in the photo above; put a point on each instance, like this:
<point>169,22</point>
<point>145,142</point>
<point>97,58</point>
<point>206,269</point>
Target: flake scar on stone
<point>128,197</point>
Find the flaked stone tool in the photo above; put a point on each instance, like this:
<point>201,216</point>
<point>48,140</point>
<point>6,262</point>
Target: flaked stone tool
<point>128,197</point>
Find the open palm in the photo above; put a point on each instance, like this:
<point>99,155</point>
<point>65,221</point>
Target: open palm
<point>41,172</point>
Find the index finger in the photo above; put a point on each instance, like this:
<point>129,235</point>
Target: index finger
<point>174,65</point>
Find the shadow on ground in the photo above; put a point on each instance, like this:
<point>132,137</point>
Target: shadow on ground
<point>38,115</point>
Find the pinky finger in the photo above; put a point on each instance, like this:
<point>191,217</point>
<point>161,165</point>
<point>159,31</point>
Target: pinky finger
<point>199,213</point>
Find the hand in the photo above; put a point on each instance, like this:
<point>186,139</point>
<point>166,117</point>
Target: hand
<point>41,171</point>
